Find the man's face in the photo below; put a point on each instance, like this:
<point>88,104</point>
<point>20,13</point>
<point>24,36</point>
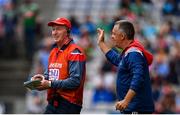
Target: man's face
<point>59,32</point>
<point>116,36</point>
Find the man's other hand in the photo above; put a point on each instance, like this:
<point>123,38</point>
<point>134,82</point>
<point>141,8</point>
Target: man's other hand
<point>44,85</point>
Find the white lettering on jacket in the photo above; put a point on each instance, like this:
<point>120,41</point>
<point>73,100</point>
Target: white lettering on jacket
<point>55,65</point>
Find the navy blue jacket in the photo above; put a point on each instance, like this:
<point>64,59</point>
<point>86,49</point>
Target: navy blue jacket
<point>133,73</point>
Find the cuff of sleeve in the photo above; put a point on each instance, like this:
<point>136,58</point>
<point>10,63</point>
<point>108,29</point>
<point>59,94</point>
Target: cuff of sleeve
<point>108,54</point>
<point>134,88</point>
<point>56,84</point>
<point>50,82</point>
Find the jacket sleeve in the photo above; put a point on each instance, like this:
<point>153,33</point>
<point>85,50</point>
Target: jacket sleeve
<point>113,56</point>
<point>76,72</point>
<point>46,75</point>
<point>137,68</point>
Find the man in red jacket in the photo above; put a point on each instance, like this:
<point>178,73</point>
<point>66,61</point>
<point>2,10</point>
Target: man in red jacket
<point>66,72</point>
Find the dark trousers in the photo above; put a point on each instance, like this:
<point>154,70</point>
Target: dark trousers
<point>29,42</point>
<point>62,106</point>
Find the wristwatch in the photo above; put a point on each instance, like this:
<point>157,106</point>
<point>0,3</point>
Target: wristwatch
<point>49,83</point>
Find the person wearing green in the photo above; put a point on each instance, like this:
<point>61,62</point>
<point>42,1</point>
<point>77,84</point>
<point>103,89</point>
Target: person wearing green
<point>29,11</point>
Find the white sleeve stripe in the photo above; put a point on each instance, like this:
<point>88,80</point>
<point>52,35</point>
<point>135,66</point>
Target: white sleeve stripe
<point>133,49</point>
<point>76,53</point>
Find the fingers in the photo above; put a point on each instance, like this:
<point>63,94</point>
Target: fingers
<point>40,88</point>
<point>116,106</point>
<point>44,85</point>
<point>120,106</point>
<point>100,31</point>
<point>38,77</point>
<point>100,35</point>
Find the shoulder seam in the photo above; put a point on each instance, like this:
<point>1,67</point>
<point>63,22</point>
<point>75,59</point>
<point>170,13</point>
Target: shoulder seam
<point>133,49</point>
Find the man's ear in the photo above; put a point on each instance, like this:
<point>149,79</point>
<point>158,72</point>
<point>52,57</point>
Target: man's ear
<point>123,36</point>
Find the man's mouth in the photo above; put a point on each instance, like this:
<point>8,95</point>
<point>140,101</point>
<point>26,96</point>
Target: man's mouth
<point>55,37</point>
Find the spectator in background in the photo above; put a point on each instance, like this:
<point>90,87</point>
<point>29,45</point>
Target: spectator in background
<point>133,81</point>
<point>29,12</point>
<point>156,91</point>
<point>177,102</point>
<point>124,4</point>
<point>86,43</point>
<point>115,18</point>
<point>149,30</point>
<point>9,21</point>
<point>167,104</point>
<point>103,93</point>
<point>40,61</point>
<point>174,64</point>
<point>162,64</point>
<point>89,25</point>
<point>104,24</point>
<point>137,8</point>
<point>170,7</point>
<point>75,26</point>
<point>105,89</point>
<point>177,34</point>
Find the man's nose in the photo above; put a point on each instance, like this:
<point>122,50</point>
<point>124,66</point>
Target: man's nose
<point>54,32</point>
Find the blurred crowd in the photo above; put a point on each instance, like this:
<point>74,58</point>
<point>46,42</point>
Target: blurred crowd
<point>20,28</point>
<point>157,26</point>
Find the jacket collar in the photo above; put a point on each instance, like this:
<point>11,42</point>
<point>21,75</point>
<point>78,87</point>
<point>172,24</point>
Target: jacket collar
<point>66,44</point>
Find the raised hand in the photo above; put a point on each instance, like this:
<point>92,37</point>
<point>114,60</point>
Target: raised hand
<point>100,36</point>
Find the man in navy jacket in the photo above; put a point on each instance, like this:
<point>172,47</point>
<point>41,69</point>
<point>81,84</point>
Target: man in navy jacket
<point>133,81</point>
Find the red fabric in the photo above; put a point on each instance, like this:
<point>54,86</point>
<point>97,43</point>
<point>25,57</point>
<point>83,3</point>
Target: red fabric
<point>148,55</point>
<point>55,103</point>
<point>76,57</point>
<point>59,60</point>
<point>60,21</point>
